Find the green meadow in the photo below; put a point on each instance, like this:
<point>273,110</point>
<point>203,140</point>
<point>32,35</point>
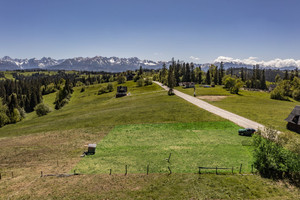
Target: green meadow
<point>205,144</point>
<point>136,130</point>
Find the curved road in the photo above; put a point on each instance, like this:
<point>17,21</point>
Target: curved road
<point>241,121</point>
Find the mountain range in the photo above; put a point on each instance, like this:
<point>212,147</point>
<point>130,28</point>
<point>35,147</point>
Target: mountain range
<point>107,64</point>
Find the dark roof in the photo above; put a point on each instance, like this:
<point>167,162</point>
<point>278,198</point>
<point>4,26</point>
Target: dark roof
<point>294,116</point>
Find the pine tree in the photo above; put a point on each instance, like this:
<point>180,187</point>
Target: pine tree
<point>286,75</point>
<point>221,73</point>
<point>171,77</point>
<point>187,72</point>
<point>200,76</point>
<point>263,84</point>
<point>216,80</point>
<point>242,74</point>
<point>177,73</point>
<point>208,78</point>
<point>193,76</point>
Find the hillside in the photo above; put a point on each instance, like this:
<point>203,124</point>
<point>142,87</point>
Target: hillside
<point>53,144</point>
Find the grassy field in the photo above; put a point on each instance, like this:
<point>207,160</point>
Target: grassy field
<point>254,105</point>
<point>206,144</point>
<point>145,105</point>
<point>53,144</point>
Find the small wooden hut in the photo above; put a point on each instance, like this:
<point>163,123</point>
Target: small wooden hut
<point>293,120</point>
<point>187,84</point>
<point>121,91</point>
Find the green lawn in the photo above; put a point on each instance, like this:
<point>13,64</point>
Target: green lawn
<point>206,144</point>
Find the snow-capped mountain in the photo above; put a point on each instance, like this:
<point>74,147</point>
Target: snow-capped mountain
<point>97,63</point>
<point>8,63</point>
<point>116,64</point>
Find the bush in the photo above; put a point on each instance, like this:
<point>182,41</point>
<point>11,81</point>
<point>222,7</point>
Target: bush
<point>272,160</point>
<point>110,87</point>
<point>121,79</point>
<point>101,90</point>
<point>3,119</point>
<point>278,94</point>
<point>15,116</point>
<point>171,92</point>
<point>148,81</point>
<point>82,89</point>
<point>42,109</point>
<point>140,82</point>
<point>296,94</point>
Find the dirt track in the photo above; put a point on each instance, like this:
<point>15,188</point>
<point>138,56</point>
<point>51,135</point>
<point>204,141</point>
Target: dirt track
<point>241,121</point>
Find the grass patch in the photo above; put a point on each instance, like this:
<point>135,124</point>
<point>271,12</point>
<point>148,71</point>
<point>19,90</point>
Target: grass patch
<point>206,144</point>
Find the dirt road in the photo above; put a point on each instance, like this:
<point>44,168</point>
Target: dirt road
<point>241,121</point>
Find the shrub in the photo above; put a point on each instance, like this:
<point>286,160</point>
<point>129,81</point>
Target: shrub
<point>101,90</point>
<point>296,94</point>
<point>272,160</point>
<point>171,92</point>
<point>110,87</point>
<point>3,119</point>
<point>15,116</point>
<point>148,81</point>
<point>121,79</point>
<point>42,109</point>
<point>140,82</point>
<point>278,94</point>
<point>82,89</point>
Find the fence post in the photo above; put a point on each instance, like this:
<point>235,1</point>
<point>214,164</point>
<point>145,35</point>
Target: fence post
<point>125,170</point>
<point>74,171</point>
<point>241,168</point>
<point>232,170</point>
<point>217,170</point>
<point>199,170</point>
<point>109,171</point>
<point>41,173</point>
<point>147,169</point>
<point>0,176</point>
<point>169,158</point>
<point>170,170</point>
<point>57,163</point>
<point>12,174</point>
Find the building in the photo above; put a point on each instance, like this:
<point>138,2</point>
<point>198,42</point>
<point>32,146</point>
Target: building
<point>293,120</point>
<point>121,91</point>
<point>187,84</point>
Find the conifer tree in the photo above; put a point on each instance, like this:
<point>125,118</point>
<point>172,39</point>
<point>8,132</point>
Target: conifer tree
<point>263,84</point>
<point>208,77</point>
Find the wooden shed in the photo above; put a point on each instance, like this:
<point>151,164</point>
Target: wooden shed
<point>121,91</point>
<point>91,149</point>
<point>187,84</point>
<point>293,120</point>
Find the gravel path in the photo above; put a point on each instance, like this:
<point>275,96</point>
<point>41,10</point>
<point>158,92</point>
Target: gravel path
<point>241,121</point>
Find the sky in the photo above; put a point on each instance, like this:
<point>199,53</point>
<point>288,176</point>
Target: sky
<point>197,31</point>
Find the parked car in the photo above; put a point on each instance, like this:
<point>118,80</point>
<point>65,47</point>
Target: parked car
<point>246,131</point>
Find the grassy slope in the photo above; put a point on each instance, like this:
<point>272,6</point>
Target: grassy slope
<point>53,143</point>
<point>145,105</point>
<point>206,144</point>
<point>254,105</point>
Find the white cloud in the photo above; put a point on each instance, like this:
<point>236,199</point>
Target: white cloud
<point>253,61</point>
<point>194,58</point>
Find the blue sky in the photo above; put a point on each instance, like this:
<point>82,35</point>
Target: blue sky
<point>190,30</point>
